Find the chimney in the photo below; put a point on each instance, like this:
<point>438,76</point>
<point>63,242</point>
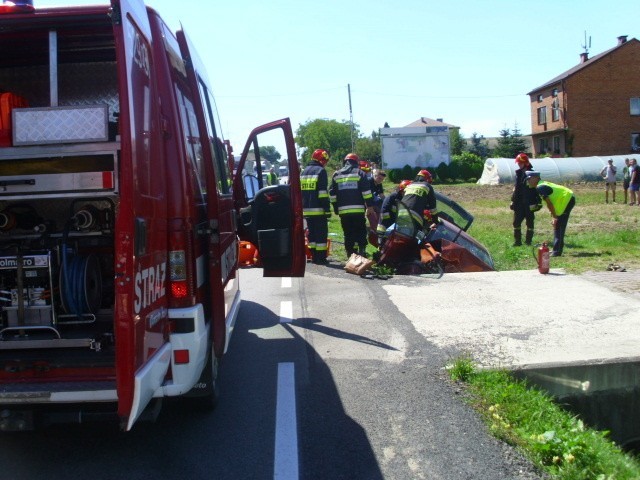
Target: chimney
<point>584,56</point>
<point>622,39</point>
<point>423,120</point>
<point>439,119</point>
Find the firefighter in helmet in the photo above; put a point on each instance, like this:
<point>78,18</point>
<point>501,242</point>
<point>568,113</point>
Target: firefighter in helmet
<point>315,204</point>
<point>420,199</point>
<point>389,210</point>
<point>525,201</point>
<point>351,196</point>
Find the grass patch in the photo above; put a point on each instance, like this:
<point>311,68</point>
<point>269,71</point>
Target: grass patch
<point>553,439</point>
<point>598,234</point>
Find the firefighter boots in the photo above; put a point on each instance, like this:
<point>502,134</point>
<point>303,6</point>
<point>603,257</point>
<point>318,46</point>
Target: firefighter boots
<point>517,237</point>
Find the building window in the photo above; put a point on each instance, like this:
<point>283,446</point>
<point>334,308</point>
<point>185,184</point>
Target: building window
<point>554,92</point>
<point>540,98</point>
<point>635,142</point>
<point>543,145</point>
<point>555,110</point>
<point>635,105</point>
<point>556,144</point>
<point>542,115</point>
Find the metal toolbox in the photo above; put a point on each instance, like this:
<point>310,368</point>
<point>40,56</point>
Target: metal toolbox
<point>42,126</point>
<point>77,170</point>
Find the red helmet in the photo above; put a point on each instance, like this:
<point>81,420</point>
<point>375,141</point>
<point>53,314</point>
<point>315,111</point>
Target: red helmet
<point>320,156</point>
<point>523,158</point>
<point>403,184</point>
<point>352,157</point>
<point>426,174</point>
<point>365,166</point>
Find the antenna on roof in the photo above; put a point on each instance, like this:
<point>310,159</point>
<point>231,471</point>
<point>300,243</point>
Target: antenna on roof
<point>586,45</point>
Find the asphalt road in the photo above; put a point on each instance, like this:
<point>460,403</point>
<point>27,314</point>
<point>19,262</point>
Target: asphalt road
<point>325,379</point>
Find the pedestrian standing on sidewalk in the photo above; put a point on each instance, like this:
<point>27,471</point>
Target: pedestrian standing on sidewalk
<point>608,173</point>
<point>315,204</point>
<point>560,201</point>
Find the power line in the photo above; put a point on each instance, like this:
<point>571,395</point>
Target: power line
<point>443,97</point>
<point>380,94</point>
<point>288,94</point>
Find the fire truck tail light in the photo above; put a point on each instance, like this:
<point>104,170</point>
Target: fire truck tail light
<point>178,274</point>
<point>177,265</point>
<point>181,356</point>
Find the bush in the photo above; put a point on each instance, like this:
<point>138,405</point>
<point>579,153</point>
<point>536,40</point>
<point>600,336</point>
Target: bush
<point>442,171</point>
<point>408,173</point>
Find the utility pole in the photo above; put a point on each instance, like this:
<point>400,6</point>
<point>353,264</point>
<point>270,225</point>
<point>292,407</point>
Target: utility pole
<point>353,145</point>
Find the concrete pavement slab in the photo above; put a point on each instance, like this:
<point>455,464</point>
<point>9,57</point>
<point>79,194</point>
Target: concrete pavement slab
<point>522,318</point>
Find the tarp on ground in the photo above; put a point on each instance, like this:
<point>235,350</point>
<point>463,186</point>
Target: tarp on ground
<point>568,169</point>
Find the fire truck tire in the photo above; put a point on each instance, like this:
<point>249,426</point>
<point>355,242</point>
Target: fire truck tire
<point>206,397</point>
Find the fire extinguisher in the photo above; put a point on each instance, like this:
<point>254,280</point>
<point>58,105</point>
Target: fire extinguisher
<point>543,258</point>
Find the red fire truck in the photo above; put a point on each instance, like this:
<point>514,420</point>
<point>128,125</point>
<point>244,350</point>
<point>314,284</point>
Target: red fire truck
<point>119,216</point>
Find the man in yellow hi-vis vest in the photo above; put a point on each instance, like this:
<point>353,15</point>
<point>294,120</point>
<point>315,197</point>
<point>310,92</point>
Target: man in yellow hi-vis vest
<point>560,201</point>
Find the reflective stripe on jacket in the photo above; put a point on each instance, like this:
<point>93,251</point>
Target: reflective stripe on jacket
<point>350,190</point>
<point>315,197</point>
<point>418,197</point>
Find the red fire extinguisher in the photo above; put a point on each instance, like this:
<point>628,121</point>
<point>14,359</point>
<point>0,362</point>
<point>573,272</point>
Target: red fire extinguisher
<point>543,258</point>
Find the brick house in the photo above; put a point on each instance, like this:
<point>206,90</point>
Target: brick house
<point>591,109</point>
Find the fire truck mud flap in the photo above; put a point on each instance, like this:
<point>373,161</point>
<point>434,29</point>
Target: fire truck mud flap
<point>147,380</point>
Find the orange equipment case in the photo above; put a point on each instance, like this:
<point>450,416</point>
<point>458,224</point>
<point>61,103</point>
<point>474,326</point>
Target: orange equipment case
<point>8,101</point>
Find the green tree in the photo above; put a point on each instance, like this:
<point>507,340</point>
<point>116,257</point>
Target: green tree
<point>270,154</point>
<point>470,165</point>
<point>479,146</point>
<point>517,142</point>
<point>510,143</point>
<point>369,148</point>
<point>457,143</point>
<point>330,135</point>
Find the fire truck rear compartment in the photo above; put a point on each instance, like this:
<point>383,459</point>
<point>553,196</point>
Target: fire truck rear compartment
<point>59,193</point>
<point>59,254</point>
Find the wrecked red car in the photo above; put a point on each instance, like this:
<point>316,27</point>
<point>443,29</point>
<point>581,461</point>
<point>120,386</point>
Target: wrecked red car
<point>408,249</point>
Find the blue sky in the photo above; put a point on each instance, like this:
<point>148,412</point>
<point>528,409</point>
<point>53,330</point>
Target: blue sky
<point>470,63</point>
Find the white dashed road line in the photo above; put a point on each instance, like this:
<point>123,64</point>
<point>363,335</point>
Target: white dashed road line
<point>286,282</point>
<point>286,443</point>
<point>286,311</point>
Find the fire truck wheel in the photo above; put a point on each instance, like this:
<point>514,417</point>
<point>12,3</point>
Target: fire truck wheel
<point>206,397</point>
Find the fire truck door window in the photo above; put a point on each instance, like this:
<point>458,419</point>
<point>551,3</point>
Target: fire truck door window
<point>220,161</point>
<point>192,141</point>
<point>142,112</point>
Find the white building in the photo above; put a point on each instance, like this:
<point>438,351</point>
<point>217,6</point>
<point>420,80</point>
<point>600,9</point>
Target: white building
<point>423,143</point>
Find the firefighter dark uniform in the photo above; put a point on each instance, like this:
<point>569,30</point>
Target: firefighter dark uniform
<point>350,195</point>
<point>420,199</point>
<point>315,205</point>
<point>389,210</point>
<point>525,201</point>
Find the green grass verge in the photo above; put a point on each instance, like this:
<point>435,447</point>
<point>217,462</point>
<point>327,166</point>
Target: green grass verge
<point>598,234</point>
<point>553,439</point>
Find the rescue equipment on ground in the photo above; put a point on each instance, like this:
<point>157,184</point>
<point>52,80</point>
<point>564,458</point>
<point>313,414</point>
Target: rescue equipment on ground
<point>543,258</point>
<point>357,264</point>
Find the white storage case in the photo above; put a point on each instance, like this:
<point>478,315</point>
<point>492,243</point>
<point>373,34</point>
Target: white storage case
<point>41,126</point>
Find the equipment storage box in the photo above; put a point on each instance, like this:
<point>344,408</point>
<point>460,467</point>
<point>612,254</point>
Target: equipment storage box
<point>40,126</point>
